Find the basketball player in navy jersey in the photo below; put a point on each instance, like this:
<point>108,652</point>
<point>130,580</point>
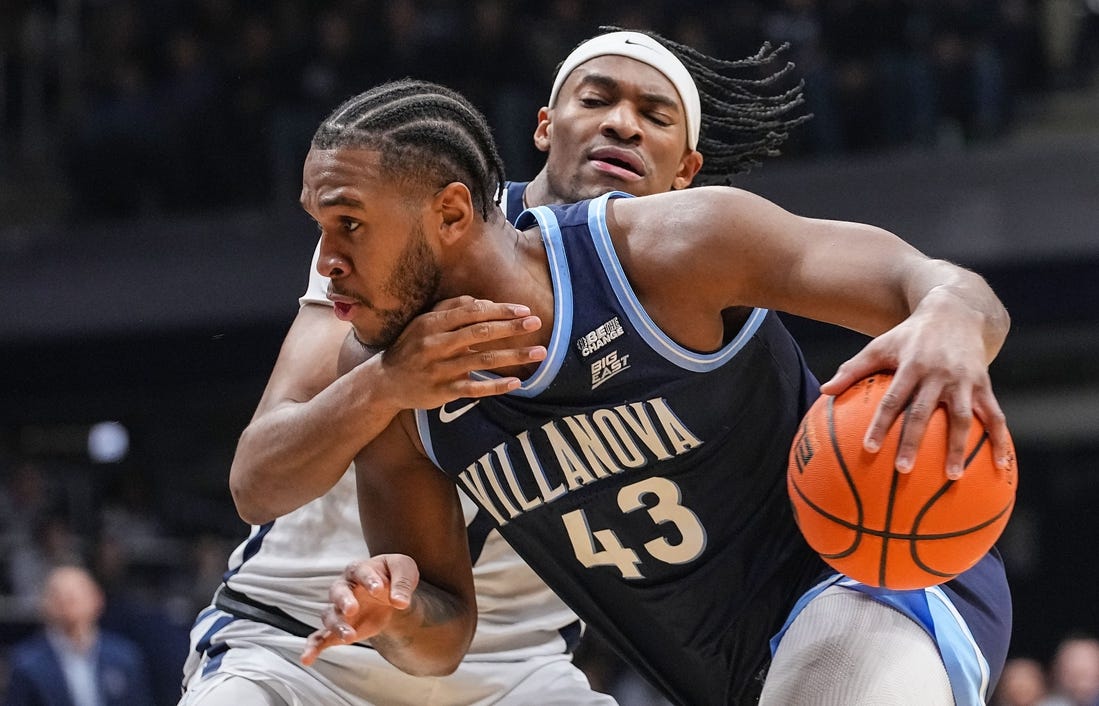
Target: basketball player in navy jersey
<point>639,468</point>
<point>608,127</point>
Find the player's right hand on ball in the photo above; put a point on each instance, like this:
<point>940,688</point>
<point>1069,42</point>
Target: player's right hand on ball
<point>363,601</point>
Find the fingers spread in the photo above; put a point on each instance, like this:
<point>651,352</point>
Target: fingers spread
<point>341,594</point>
<point>846,375</point>
<point>987,409</point>
<point>960,419</point>
<point>317,643</point>
<point>916,416</point>
<point>875,357</point>
<point>891,405</point>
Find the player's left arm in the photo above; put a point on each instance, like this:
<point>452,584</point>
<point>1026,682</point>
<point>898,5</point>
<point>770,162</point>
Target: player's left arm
<point>937,325</point>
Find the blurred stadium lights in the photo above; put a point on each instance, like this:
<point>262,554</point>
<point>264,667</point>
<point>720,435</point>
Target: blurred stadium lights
<point>108,442</point>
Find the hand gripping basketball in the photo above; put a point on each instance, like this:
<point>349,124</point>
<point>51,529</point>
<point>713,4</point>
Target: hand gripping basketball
<point>886,528</point>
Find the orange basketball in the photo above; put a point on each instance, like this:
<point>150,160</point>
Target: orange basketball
<point>880,526</point>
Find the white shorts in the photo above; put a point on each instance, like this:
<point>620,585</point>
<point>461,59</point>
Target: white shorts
<point>223,647</point>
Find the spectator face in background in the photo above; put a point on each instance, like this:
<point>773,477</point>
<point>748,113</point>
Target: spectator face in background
<point>1023,683</point>
<point>616,124</point>
<point>1076,670</point>
<point>72,603</point>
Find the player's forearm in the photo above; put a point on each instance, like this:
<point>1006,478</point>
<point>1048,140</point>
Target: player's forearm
<point>430,637</point>
<point>954,293</point>
<point>296,451</point>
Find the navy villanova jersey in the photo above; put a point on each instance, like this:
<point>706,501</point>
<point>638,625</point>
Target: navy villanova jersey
<point>643,481</point>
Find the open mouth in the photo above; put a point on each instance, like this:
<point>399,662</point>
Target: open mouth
<point>622,162</point>
<point>343,310</point>
<point>342,305</point>
<point>618,166</point>
<point>621,165</point>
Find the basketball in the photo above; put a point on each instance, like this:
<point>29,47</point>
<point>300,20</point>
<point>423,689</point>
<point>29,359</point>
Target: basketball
<point>882,527</point>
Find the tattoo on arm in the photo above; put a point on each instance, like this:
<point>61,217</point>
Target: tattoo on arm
<point>431,608</point>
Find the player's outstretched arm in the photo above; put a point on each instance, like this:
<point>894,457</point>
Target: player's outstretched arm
<point>419,613</point>
<point>937,325</point>
<point>311,422</point>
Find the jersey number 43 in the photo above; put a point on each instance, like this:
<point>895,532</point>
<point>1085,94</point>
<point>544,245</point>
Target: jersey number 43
<point>601,547</point>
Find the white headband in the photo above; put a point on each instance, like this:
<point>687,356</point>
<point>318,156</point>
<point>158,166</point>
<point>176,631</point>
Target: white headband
<point>647,50</point>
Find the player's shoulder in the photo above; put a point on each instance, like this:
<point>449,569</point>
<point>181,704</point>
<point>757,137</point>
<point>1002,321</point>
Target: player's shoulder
<point>706,212</point>
<point>587,212</point>
<point>686,202</point>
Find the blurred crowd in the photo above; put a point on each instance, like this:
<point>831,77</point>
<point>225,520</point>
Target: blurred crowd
<point>154,578</point>
<point>1071,679</point>
<point>132,107</point>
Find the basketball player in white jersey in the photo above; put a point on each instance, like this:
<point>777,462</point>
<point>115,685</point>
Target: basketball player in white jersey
<point>611,126</point>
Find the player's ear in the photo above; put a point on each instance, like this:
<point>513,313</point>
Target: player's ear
<point>542,132</point>
<point>688,168</point>
<point>454,204</point>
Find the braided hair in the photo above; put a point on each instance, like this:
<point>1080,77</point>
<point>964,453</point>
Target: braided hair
<point>424,133</point>
<point>746,115</point>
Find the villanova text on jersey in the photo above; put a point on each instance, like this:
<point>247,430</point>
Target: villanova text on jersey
<point>643,481</point>
<point>585,448</point>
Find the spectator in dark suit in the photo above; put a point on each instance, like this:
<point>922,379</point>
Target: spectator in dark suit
<point>71,662</point>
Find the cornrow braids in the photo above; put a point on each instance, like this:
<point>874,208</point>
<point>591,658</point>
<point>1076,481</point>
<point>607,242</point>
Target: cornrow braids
<point>425,133</point>
<point>746,114</point>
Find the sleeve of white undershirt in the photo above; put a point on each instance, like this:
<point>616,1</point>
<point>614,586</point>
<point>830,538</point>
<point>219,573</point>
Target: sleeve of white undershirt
<point>317,290</point>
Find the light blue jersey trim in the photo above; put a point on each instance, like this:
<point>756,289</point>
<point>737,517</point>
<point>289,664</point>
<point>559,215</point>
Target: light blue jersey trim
<point>424,429</point>
<point>557,348</point>
<point>650,332</point>
<point>931,608</point>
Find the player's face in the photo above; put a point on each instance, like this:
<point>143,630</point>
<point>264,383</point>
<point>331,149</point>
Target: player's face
<point>618,124</point>
<point>373,247</point>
